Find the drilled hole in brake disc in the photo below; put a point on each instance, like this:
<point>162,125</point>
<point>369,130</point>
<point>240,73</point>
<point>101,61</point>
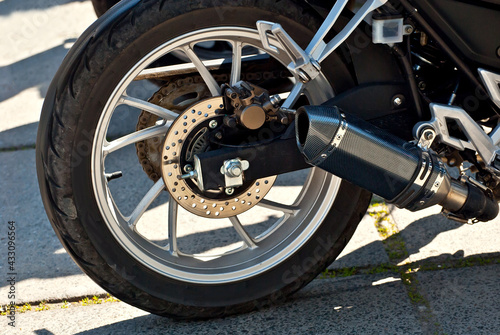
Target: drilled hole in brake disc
<point>187,137</point>
<point>176,95</point>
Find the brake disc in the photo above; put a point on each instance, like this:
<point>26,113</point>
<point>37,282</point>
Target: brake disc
<point>186,137</point>
<point>176,95</point>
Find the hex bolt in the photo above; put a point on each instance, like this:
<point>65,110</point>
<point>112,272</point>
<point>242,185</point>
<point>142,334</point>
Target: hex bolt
<point>213,124</point>
<point>229,191</point>
<point>429,135</point>
<point>408,29</point>
<point>397,101</point>
<point>234,171</point>
<point>218,135</point>
<point>188,168</point>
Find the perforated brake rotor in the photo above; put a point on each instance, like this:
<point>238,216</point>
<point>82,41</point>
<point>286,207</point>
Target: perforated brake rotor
<point>179,140</point>
<point>176,95</point>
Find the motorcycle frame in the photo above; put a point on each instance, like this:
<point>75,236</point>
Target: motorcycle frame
<point>306,63</point>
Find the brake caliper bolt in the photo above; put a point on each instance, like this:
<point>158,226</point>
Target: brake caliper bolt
<point>275,100</point>
<point>188,168</point>
<point>213,124</point>
<point>229,191</point>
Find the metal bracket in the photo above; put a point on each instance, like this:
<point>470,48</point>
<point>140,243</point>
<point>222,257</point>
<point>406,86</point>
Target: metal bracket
<point>454,217</point>
<point>426,139</point>
<point>306,64</point>
<point>492,82</point>
<point>477,139</point>
<point>302,65</point>
<point>196,174</point>
<point>232,170</point>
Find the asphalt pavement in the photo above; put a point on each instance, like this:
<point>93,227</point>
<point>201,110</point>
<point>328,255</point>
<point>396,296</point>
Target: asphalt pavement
<point>445,281</point>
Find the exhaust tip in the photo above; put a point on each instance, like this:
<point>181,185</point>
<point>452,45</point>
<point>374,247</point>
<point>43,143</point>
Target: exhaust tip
<point>302,126</point>
<point>315,127</point>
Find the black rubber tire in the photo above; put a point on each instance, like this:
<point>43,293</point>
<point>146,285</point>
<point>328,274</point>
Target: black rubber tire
<point>74,102</point>
<point>102,6</point>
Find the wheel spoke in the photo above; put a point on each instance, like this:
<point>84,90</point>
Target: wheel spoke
<point>202,69</point>
<point>172,226</point>
<point>236,63</point>
<point>290,210</point>
<point>145,202</point>
<point>241,231</point>
<point>134,137</point>
<point>294,95</point>
<point>148,107</point>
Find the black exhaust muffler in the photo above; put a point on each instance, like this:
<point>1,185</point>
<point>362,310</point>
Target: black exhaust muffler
<point>386,165</point>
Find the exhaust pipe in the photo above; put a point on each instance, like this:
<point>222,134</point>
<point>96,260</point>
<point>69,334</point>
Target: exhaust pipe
<point>386,165</point>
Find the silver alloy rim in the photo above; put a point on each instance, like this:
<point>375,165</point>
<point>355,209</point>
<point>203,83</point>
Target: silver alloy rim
<point>257,254</point>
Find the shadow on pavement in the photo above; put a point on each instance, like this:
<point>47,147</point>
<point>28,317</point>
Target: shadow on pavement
<point>8,7</point>
<point>32,71</point>
<point>416,235</point>
<point>324,306</point>
<point>369,304</point>
<point>20,137</point>
<point>43,332</point>
<point>423,231</point>
<point>61,265</point>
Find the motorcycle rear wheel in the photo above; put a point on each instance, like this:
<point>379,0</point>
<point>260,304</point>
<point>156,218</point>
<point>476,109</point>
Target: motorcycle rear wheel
<point>139,268</point>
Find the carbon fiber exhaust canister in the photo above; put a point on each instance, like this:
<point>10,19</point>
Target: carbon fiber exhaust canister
<point>384,164</point>
<point>356,151</point>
